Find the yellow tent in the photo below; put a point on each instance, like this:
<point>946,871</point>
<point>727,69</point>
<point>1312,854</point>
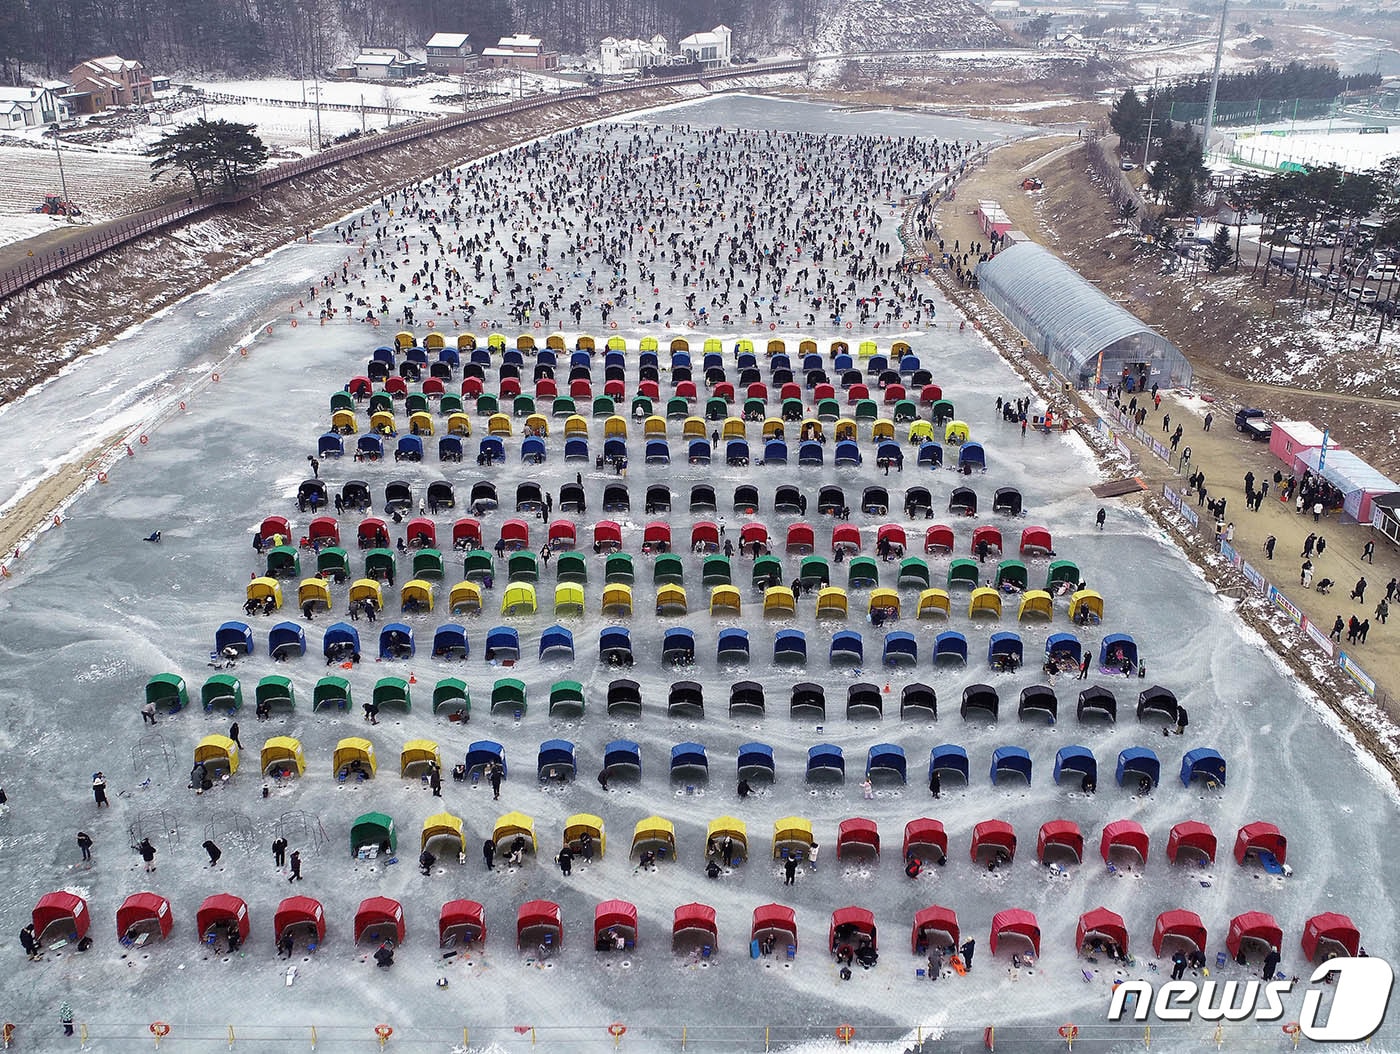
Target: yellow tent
<point>886,600</point>
<point>568,599</point>
<point>420,423</point>
<point>383,423</point>
<point>778,602</point>
<point>654,427</point>
<point>344,421</point>
<point>898,350</point>
<point>616,343</point>
<point>731,826</point>
<point>845,429</point>
<point>464,598</point>
<point>680,344</point>
<point>935,602</point>
<point>418,752</point>
<point>743,346</point>
<point>832,602</point>
<point>419,592</point>
<point>585,343</point>
<point>920,432</point>
<point>882,429</point>
<point>519,599</point>
<point>525,342</point>
<point>314,591</point>
<point>283,751</point>
<point>956,432</point>
<point>866,349</point>
<point>499,425</point>
<point>648,344</point>
<point>791,831</point>
<point>459,424</point>
<point>434,341</point>
<point>670,600</point>
<point>404,339</point>
<point>733,428</point>
<point>725,600</point>
<point>555,342</point>
<point>776,346</point>
<point>217,750</point>
<point>773,426</point>
<point>443,825</point>
<point>807,347</point>
<point>615,427</point>
<point>1087,599</point>
<point>260,589</point>
<point>1036,603</point>
<point>367,589</point>
<point>654,830</point>
<point>352,749</point>
<point>575,425</point>
<point>693,428</point>
<point>984,601</point>
<point>496,341</point>
<point>617,600</point>
<point>811,428</point>
<point>713,345</point>
<point>537,424</point>
<point>466,341</point>
<point>512,824</point>
<point>581,823</point>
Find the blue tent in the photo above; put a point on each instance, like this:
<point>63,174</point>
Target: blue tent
<point>502,643</point>
<point>1066,644</point>
<point>891,452</point>
<point>486,752</point>
<point>847,453</point>
<point>1140,762</point>
<point>733,646</point>
<point>532,451</point>
<point>330,445</point>
<point>698,453</point>
<point>909,363</point>
<point>383,354</point>
<point>416,354</point>
<point>811,361</point>
<point>396,641</point>
<point>658,452</point>
<point>947,756</point>
<point>810,453</point>
<point>930,455</point>
<point>410,448</point>
<point>234,635</point>
<point>755,758</point>
<point>775,452</point>
<point>713,360</point>
<point>490,450</point>
<point>678,647</point>
<point>901,648</point>
<point>449,355</point>
<point>581,358</point>
<point>450,448</point>
<point>614,358</point>
<point>615,449</point>
<point>1004,651</point>
<point>790,645</point>
<point>648,358</point>
<point>576,448</point>
<point>557,642</point>
<point>1010,759</point>
<point>971,453</point>
<point>825,756</point>
<point>1203,761</point>
<point>877,364</point>
<point>285,640</point>
<point>370,447</point>
<point>688,756</point>
<point>1117,649</point>
<point>887,757</point>
<point>680,359</point>
<point>556,754</point>
<point>736,452</point>
<point>847,647</point>
<point>615,645</point>
<point>481,356</point>
<point>780,361</point>
<point>622,752</point>
<point>338,634</point>
<point>512,357</point>
<point>950,646</point>
<point>450,641</point>
<point>1076,759</point>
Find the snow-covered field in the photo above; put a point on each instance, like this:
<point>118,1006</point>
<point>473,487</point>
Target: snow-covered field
<point>92,612</point>
<point>1354,151</point>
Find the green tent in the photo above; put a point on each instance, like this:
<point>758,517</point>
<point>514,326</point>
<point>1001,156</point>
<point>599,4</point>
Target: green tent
<point>508,692</point>
<point>964,572</point>
<point>334,562</point>
<point>427,564</point>
<point>523,566</point>
<point>767,571</point>
<point>1066,571</point>
<point>222,690</point>
<point>168,690</point>
<point>453,693</point>
<point>392,691</point>
<point>668,570</point>
<point>864,573</point>
<point>571,567</point>
<point>913,572</point>
<point>331,691</point>
<point>276,690</point>
<point>813,571</point>
<point>566,697</point>
<point>715,571</point>
<point>618,568</point>
<point>1014,572</point>
<point>373,828</point>
<point>283,561</point>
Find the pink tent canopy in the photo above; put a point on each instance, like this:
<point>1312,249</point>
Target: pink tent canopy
<point>1016,922</point>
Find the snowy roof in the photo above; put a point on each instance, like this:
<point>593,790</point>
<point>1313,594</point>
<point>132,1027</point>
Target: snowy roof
<point>718,35</point>
<point>447,40</point>
<point>113,63</point>
<point>1348,473</point>
<point>8,94</point>
<point>520,40</point>
<point>380,57</point>
<point>1070,320</point>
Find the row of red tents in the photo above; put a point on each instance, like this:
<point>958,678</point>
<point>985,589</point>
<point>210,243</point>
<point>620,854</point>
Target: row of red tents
<point>381,918</point>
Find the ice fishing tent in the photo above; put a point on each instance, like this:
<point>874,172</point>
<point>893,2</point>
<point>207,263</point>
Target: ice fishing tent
<point>502,644</point>
<point>734,829</point>
<point>341,640</point>
<point>857,831</point>
<point>541,920</point>
<point>756,759</point>
<point>373,829</point>
<point>1097,702</point>
<point>863,696</point>
<point>934,926</point>
<point>222,690</point>
<point>848,925</point>
<point>452,693</point>
<point>695,918</point>
<point>615,646</point>
<point>948,756</point>
<point>775,921</point>
<point>1203,762</point>
<point>222,912</point>
<point>579,824</point>
<point>1180,925</point>
<point>300,916</point>
<point>689,758</point>
<point>379,919</point>
<point>678,645</point>
<point>807,696</point>
<point>1261,839</point>
<point>461,920</point>
<point>624,695</point>
<point>997,836</point>
<point>622,753</point>
<point>981,697</point>
<point>1059,835</point>
<point>217,753</point>
<point>1192,835</point>
<point>1124,834</point>
<point>396,641</point>
<point>1087,337</point>
<point>513,825</point>
<point>484,753</point>
<point>1078,759</point>
<point>417,755</point>
<point>350,750</point>
<point>825,759</point>
<point>1036,541</point>
<point>656,832</point>
<point>790,646</point>
<point>450,641</point>
<point>746,695</point>
<point>1018,923</point>
<point>901,649</point>
<point>950,648</point>
<point>1100,924</point>
<point>236,635</point>
<point>927,833</point>
<point>556,760</point>
<point>616,916</point>
<point>392,691</point>
<point>1004,651</point>
<point>1086,607</point>
<point>1332,934</point>
<point>1157,700</point>
<point>887,758</point>
<point>918,697</point>
<point>1010,759</point>
<point>963,572</point>
<point>282,755</point>
<point>149,913</point>
<point>1118,651</point>
<point>167,691</point>
<point>1252,930</point>
<point>444,825</point>
<point>1038,700</point>
<point>1138,761</point>
<point>567,698</point>
<point>65,911</point>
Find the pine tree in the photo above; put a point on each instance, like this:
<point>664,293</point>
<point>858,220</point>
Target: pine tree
<point>1220,252</point>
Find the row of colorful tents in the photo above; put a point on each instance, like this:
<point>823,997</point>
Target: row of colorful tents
<point>405,342</point>
<point>462,922</point>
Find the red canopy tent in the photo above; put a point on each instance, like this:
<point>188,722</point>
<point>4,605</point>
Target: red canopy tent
<point>1332,928</point>
<point>396,386</point>
<point>472,386</point>
<point>299,911</point>
<point>1100,922</point>
<point>563,534</point>
<point>546,388</point>
<point>996,834</point>
<point>276,525</point>
<point>938,538</point>
<point>510,387</point>
<point>140,909</point>
<point>1017,922</point>
<point>1036,540</point>
<point>371,532</point>
<point>376,912</point>
<point>774,917</point>
<point>1253,926</point>
<point>925,831</point>
<point>930,393</point>
<point>934,919</point>
<point>222,909</point>
<point>615,915</point>
<point>516,534</point>
<point>422,530</point>
<point>1260,837</point>
<point>696,916</point>
<point>649,389</point>
<point>857,831</point>
<point>538,914</point>
<point>61,907</point>
<point>704,534</point>
<point>1181,924</point>
<point>847,922</point>
<point>359,386</point>
<point>751,533</point>
<point>1124,834</point>
<point>1059,834</point>
<point>655,533</point>
<point>986,533</point>
<point>607,536</point>
<point>845,536</point>
<point>892,533</point>
<point>466,533</point>
<point>801,538</point>
<point>1191,834</point>
<point>324,527</point>
<point>464,918</point>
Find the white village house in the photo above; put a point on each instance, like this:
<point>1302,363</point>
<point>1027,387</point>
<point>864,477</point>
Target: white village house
<point>709,49</point>
<point>28,107</point>
<point>450,53</point>
<point>624,56</point>
<point>383,64</point>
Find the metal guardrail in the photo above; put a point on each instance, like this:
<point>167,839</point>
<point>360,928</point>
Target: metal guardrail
<point>51,262</point>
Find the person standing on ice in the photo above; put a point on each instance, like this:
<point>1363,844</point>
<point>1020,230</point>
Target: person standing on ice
<point>1084,667</point>
<point>790,871</point>
<point>148,853</point>
<point>488,853</point>
<point>1100,518</point>
<point>85,844</point>
<point>99,790</point>
<point>279,853</point>
<point>495,781</point>
<point>1271,962</point>
<point>213,850</point>
<point>969,946</point>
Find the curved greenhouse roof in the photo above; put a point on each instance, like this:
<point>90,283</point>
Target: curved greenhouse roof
<point>1084,334</point>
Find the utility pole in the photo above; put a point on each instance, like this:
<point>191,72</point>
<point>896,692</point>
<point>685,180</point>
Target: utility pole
<point>62,179</point>
<point>1151,116</point>
<point>1214,81</point>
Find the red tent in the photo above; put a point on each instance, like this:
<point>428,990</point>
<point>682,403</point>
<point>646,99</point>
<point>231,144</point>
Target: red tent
<point>847,536</point>
<point>695,917</point>
<point>299,911</point>
<point>376,912</point>
<point>546,388</point>
<point>1017,922</point>
<point>894,534</point>
<point>989,534</point>
<point>1261,837</point>
<point>472,386</point>
<point>938,538</point>
<point>1332,928</point>
<point>606,535</point>
<point>930,393</point>
<point>1253,926</point>
<point>276,525</point>
<point>563,534</point>
<point>655,533</point>
<point>847,922</point>
<point>371,532</point>
<point>581,388</point>
<point>774,917</point>
<point>466,533</point>
<point>996,834</point>
<point>359,386</point>
<point>615,915</point>
<point>142,908</point>
<point>801,538</point>
<point>1182,924</point>
<point>421,527</point>
<point>1124,834</point>
<point>934,919</point>
<point>1101,923</point>
<point>396,386</point>
<point>464,918</point>
<point>516,534</point>
<point>856,393</point>
<point>1059,834</point>
<point>751,533</point>
<point>538,914</point>
<point>857,831</point>
<point>1191,834</point>
<point>1036,540</point>
<point>324,527</point>
<point>723,390</point>
<point>61,907</point>
<point>925,831</point>
<point>686,389</point>
<point>510,387</point>
<point>894,393</point>
<point>222,909</point>
<point>704,534</point>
